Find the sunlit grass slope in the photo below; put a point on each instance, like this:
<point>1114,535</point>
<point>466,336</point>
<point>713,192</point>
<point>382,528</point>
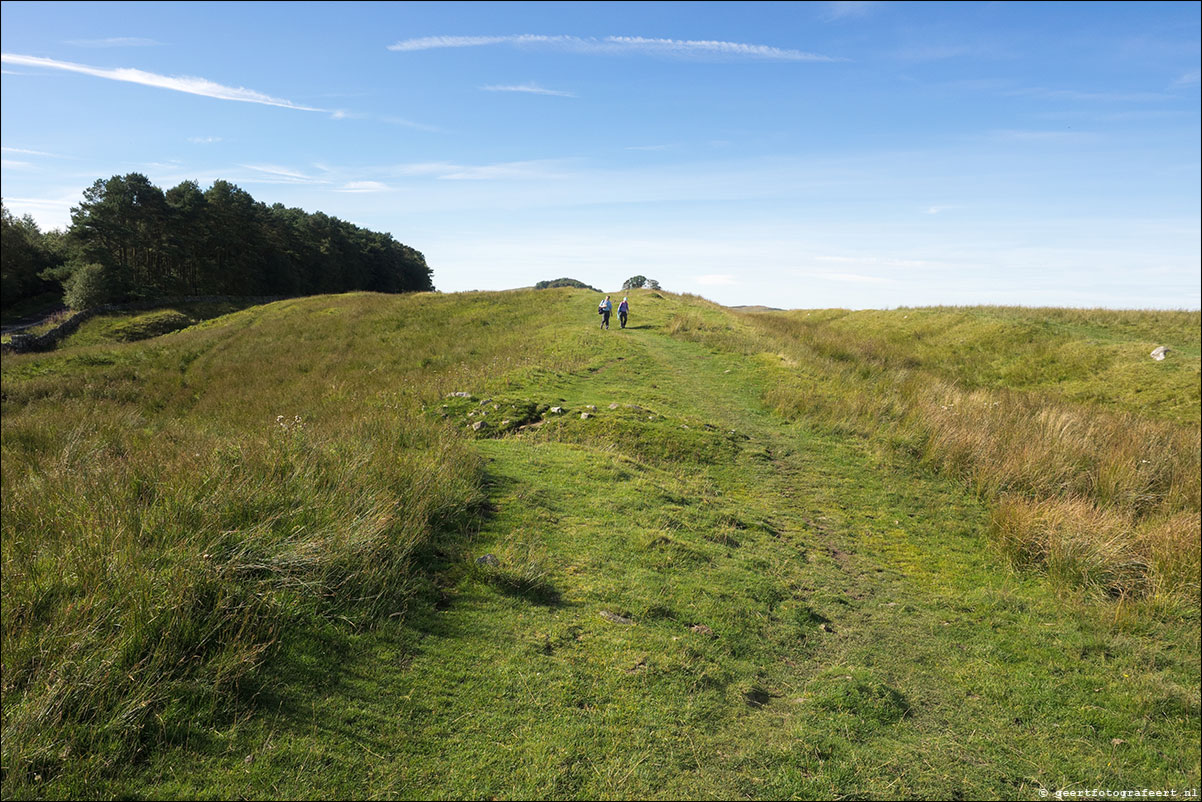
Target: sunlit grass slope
<point>173,509</point>
<point>1086,448</point>
<point>733,555</point>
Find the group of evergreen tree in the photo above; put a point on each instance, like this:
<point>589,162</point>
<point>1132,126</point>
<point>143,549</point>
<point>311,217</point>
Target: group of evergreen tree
<point>129,240</point>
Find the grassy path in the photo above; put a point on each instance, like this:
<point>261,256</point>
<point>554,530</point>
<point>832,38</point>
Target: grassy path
<point>800,618</point>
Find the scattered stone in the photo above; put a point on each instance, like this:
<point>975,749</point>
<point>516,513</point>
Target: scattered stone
<point>592,407</point>
<point>701,629</point>
<point>825,627</point>
<point>557,410</point>
<point>1160,352</point>
<point>614,405</point>
<point>505,423</point>
<point>486,401</point>
<point>585,416</point>
<point>617,619</point>
<point>488,559</point>
<point>478,425</point>
<point>459,395</point>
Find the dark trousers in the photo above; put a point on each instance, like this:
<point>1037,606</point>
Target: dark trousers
<point>605,320</point>
<point>622,317</point>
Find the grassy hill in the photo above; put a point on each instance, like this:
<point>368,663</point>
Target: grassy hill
<point>922,553</point>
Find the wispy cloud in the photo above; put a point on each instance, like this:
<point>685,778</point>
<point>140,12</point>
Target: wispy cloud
<point>532,89</point>
<point>190,85</point>
<point>205,140</point>
<point>849,8</point>
<point>115,41</point>
<point>855,278</point>
<point>342,114</point>
<point>364,186</point>
<point>527,170</point>
<point>934,52</point>
<point>619,45</point>
<point>27,152</point>
<point>282,175</point>
<point>1018,135</point>
<point>1105,97</point>
<point>1192,78</point>
<point>716,279</point>
<point>14,164</point>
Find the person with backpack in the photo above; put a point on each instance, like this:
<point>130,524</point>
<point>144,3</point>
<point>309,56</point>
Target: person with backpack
<point>605,308</point>
<point>623,311</point>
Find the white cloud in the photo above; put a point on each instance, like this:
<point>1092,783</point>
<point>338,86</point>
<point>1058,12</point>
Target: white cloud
<point>363,186</point>
<point>204,140</point>
<point>28,152</point>
<point>545,169</point>
<point>115,41</point>
<point>633,45</point>
<point>1192,78</point>
<point>532,89</point>
<point>1104,97</point>
<point>14,164</point>
<point>282,175</point>
<point>855,278</point>
<point>190,85</point>
<point>849,8</point>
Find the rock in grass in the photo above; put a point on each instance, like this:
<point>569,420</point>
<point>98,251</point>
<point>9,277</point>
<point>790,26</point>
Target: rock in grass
<point>617,619</point>
<point>557,410</point>
<point>488,559</point>
<point>478,425</point>
<point>1160,352</point>
<point>585,416</point>
<point>701,629</point>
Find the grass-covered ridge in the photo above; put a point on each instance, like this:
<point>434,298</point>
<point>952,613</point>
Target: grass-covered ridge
<point>242,559</point>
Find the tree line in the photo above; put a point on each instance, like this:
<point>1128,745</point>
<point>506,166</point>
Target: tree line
<point>129,240</point>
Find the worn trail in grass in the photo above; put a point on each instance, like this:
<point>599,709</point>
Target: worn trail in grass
<point>739,608</point>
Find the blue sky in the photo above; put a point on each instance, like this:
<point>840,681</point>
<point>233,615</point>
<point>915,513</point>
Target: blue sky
<point>801,155</point>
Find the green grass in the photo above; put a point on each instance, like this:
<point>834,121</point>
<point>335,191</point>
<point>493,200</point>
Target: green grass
<point>815,611</point>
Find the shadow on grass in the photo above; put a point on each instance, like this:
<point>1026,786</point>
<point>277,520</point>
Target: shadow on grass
<point>535,591</point>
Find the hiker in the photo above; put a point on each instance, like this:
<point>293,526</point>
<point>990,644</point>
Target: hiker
<point>605,308</point>
<point>623,311</point>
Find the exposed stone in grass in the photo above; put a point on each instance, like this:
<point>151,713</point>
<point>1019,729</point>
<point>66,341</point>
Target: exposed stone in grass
<point>617,619</point>
<point>488,559</point>
<point>701,629</point>
<point>1160,352</point>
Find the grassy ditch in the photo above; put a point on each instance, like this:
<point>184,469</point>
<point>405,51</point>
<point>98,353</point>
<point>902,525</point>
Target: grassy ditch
<point>1102,493</point>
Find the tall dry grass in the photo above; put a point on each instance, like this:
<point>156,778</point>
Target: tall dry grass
<point>173,509</point>
<point>1097,496</point>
